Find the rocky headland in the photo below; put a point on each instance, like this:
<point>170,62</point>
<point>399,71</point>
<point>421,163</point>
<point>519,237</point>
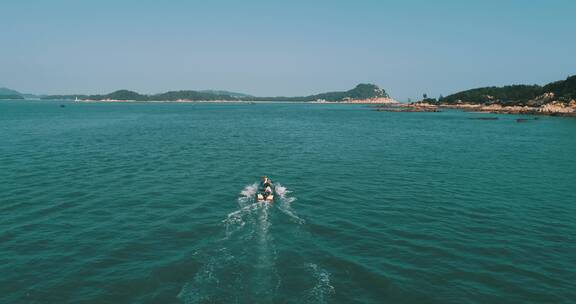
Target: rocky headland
<point>555,99</point>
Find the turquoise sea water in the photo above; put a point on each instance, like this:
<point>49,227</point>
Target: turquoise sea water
<point>152,203</point>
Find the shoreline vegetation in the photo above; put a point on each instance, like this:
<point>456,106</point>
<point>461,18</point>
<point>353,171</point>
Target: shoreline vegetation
<point>556,99</point>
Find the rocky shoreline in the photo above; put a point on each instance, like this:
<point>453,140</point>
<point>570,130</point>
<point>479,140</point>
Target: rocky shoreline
<point>377,100</point>
<point>549,109</point>
<point>407,107</point>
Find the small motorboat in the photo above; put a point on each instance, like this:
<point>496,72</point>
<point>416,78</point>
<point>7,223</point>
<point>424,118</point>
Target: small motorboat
<point>265,191</point>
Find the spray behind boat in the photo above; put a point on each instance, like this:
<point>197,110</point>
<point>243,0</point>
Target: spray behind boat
<point>242,266</point>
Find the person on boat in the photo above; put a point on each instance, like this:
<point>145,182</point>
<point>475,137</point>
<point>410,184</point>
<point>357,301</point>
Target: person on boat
<point>266,182</point>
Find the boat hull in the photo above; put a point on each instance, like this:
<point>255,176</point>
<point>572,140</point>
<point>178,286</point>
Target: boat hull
<point>261,198</point>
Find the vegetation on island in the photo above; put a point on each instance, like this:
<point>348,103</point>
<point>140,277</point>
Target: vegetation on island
<point>506,94</point>
<point>531,95</point>
<point>361,91</point>
<point>563,89</point>
<point>120,95</point>
<point>6,93</point>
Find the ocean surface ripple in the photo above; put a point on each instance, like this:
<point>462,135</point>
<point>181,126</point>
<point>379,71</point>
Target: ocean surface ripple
<point>154,203</point>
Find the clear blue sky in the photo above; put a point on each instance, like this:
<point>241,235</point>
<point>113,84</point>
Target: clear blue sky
<point>284,47</point>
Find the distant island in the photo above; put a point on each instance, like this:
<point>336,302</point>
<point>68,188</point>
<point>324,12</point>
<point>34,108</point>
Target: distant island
<point>365,93</point>
<point>6,93</point>
<point>555,98</point>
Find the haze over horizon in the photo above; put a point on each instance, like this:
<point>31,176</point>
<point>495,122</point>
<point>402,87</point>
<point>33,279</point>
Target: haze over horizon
<point>283,49</point>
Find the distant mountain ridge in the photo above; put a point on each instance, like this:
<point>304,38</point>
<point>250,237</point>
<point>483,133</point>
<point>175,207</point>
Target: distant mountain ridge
<point>360,92</point>
<point>6,93</point>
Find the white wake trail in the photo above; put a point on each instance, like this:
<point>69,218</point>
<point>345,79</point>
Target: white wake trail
<point>285,204</point>
<point>248,206</point>
<point>323,290</point>
<point>244,260</point>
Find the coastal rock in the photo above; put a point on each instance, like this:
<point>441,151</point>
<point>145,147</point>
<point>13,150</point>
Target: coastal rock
<point>517,109</point>
<point>411,107</point>
<point>463,106</point>
<point>424,105</point>
<point>541,100</point>
<point>557,107</point>
<point>377,100</point>
<point>497,108</point>
<point>492,108</point>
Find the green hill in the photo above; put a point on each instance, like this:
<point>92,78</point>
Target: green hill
<point>6,93</point>
<point>361,91</point>
<point>495,94</point>
<point>563,90</point>
<point>122,95</point>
